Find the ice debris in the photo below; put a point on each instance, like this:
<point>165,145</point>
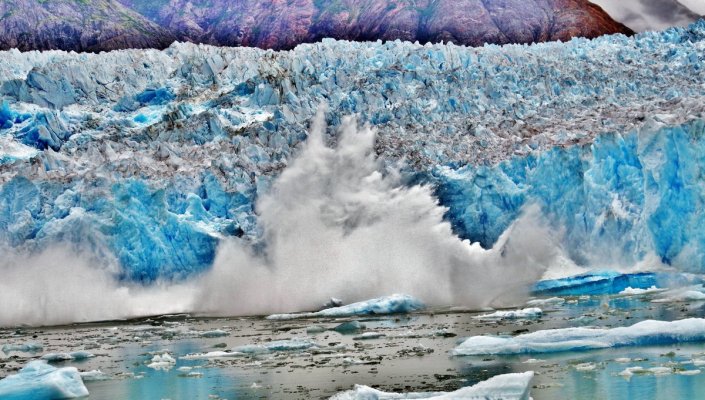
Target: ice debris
<point>680,296</point>
<point>630,291</point>
<point>39,380</point>
<point>162,362</point>
<point>394,304</point>
<point>532,312</point>
<point>644,333</point>
<point>25,348</point>
<point>295,344</point>
<point>73,356</point>
<point>501,387</point>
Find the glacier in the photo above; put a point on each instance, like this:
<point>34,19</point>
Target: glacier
<point>39,380</point>
<point>151,159</point>
<point>644,333</point>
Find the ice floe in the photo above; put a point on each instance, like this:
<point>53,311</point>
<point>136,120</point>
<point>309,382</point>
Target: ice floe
<point>394,304</point>
<point>501,387</point>
<point>648,332</point>
<point>532,312</point>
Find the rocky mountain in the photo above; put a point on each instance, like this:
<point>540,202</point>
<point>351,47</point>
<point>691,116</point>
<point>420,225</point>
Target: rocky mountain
<point>96,25</point>
<point>79,25</point>
<point>284,24</point>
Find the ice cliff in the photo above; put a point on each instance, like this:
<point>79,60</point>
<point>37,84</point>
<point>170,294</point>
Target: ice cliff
<point>154,157</point>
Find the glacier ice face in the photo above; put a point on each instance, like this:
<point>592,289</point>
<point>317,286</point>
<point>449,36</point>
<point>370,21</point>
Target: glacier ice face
<point>39,380</point>
<point>394,304</point>
<point>153,157</point>
<point>501,387</point>
<point>644,333</point>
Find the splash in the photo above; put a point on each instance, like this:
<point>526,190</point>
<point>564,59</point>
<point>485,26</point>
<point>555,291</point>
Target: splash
<point>338,222</point>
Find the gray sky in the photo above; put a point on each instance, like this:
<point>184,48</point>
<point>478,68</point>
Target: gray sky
<point>645,15</point>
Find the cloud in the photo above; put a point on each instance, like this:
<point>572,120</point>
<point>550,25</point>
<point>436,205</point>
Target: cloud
<point>649,15</point>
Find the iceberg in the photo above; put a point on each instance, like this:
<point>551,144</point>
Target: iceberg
<point>611,282</point>
<point>501,387</point>
<point>39,380</point>
<point>532,312</point>
<point>644,333</point>
<point>394,304</point>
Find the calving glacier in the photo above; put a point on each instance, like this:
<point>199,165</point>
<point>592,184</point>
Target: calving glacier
<point>160,167</point>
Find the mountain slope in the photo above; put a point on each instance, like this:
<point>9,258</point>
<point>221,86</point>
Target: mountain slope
<point>78,25</point>
<point>283,25</point>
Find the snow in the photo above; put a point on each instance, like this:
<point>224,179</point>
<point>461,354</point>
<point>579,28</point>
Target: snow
<point>394,304</point>
<point>175,153</point>
<point>532,312</point>
<point>39,380</point>
<point>500,387</point>
<point>644,333</point>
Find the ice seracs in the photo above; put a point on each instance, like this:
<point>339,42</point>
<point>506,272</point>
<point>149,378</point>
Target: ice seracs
<point>644,333</point>
<point>193,135</point>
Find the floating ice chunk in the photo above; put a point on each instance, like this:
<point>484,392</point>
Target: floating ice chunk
<point>39,380</point>
<point>74,356</point>
<point>574,339</point>
<point>512,314</point>
<point>630,291</point>
<point>689,372</point>
<point>25,348</point>
<point>369,336</point>
<point>295,344</point>
<point>349,327</point>
<point>585,367</point>
<point>162,362</point>
<point>505,387</point>
<point>680,296</point>
<point>94,375</point>
<point>394,304</point>
<point>545,302</point>
<point>213,334</point>
<point>212,355</point>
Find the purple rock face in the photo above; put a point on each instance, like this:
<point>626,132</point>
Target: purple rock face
<point>84,25</point>
<point>79,25</point>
